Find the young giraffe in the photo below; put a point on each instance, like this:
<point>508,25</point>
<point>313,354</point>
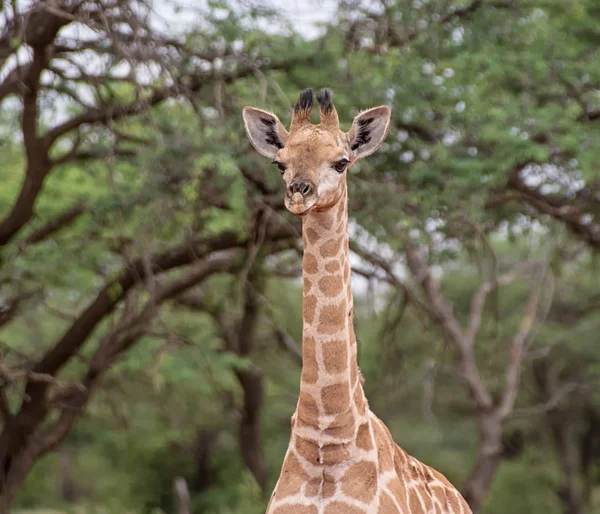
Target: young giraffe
<point>341,458</point>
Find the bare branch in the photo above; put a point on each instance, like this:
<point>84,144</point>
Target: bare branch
<point>392,278</point>
<point>518,347</point>
<point>479,297</point>
<point>442,314</point>
<point>550,404</point>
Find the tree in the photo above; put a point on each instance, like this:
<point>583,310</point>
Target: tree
<point>49,52</point>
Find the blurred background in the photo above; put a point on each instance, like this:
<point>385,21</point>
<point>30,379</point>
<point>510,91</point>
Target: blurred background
<point>150,277</point>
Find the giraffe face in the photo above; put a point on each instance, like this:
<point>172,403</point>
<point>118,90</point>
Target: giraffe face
<point>314,159</point>
<point>314,165</point>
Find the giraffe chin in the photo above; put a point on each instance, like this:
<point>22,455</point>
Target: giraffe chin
<point>300,208</point>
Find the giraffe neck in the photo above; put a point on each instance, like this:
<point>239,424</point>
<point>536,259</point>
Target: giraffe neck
<point>331,398</point>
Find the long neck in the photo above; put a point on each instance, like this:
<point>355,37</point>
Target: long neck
<point>331,396</point>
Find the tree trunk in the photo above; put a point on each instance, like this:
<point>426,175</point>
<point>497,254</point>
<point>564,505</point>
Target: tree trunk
<point>489,456</point>
<point>562,422</point>
<point>251,379</point>
<point>250,429</point>
<point>69,490</point>
<point>569,491</point>
<point>13,477</point>
<point>22,210</point>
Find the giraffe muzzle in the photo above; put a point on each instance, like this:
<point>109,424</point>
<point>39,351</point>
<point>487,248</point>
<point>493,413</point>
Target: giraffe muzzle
<point>302,187</point>
<point>300,196</point>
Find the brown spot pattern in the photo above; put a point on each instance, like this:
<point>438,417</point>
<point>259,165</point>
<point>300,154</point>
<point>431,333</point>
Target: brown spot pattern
<point>335,356</point>
<point>346,271</point>
<point>308,411</point>
<point>353,370</point>
<point>332,266</point>
<point>335,398</point>
<point>360,481</point>
<point>331,248</point>
<point>309,304</point>
<point>400,457</point>
<point>329,486</point>
<point>363,437</point>
<point>307,285</point>
<point>313,486</point>
<point>360,401</point>
<point>292,477</point>
<point>342,426</point>
<point>326,220</point>
<point>312,235</point>
<point>341,210</point>
<point>310,368</point>
<point>307,449</point>
<point>398,489</point>
<point>386,505</point>
<point>342,508</point>
<point>333,454</point>
<point>452,502</point>
<point>427,497</point>
<point>331,318</point>
<point>386,462</point>
<point>310,264</point>
<point>414,502</point>
<point>331,285</point>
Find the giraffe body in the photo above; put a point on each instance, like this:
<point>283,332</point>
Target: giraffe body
<point>341,458</point>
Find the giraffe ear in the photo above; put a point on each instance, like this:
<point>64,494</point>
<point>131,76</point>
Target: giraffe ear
<point>368,130</point>
<point>265,131</point>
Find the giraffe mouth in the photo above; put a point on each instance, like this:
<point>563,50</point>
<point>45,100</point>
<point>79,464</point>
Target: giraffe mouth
<point>299,205</point>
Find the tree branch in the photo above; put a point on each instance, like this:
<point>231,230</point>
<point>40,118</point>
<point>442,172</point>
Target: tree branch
<point>56,224</point>
<point>558,207</point>
<point>479,297</point>
<point>442,314</point>
<point>548,405</point>
<point>518,347</point>
<point>128,330</point>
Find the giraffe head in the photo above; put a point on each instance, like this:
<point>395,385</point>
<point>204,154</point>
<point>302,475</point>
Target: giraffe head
<point>314,159</point>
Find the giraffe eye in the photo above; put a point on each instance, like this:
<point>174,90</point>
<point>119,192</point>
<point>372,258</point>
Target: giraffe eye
<point>280,166</point>
<point>340,166</point>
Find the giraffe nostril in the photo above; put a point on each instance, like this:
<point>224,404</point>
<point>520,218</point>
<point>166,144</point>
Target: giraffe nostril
<point>304,187</point>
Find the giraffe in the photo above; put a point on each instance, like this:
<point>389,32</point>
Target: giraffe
<point>341,458</point>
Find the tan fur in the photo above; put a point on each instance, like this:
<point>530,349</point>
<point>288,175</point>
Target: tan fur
<point>341,458</point>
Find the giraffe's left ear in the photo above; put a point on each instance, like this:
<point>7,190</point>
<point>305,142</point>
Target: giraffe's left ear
<point>369,130</point>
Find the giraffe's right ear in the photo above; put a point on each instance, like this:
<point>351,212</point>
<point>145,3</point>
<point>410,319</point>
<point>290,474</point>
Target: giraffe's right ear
<point>265,131</point>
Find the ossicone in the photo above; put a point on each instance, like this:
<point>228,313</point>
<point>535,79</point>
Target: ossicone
<point>329,116</point>
<point>302,109</point>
